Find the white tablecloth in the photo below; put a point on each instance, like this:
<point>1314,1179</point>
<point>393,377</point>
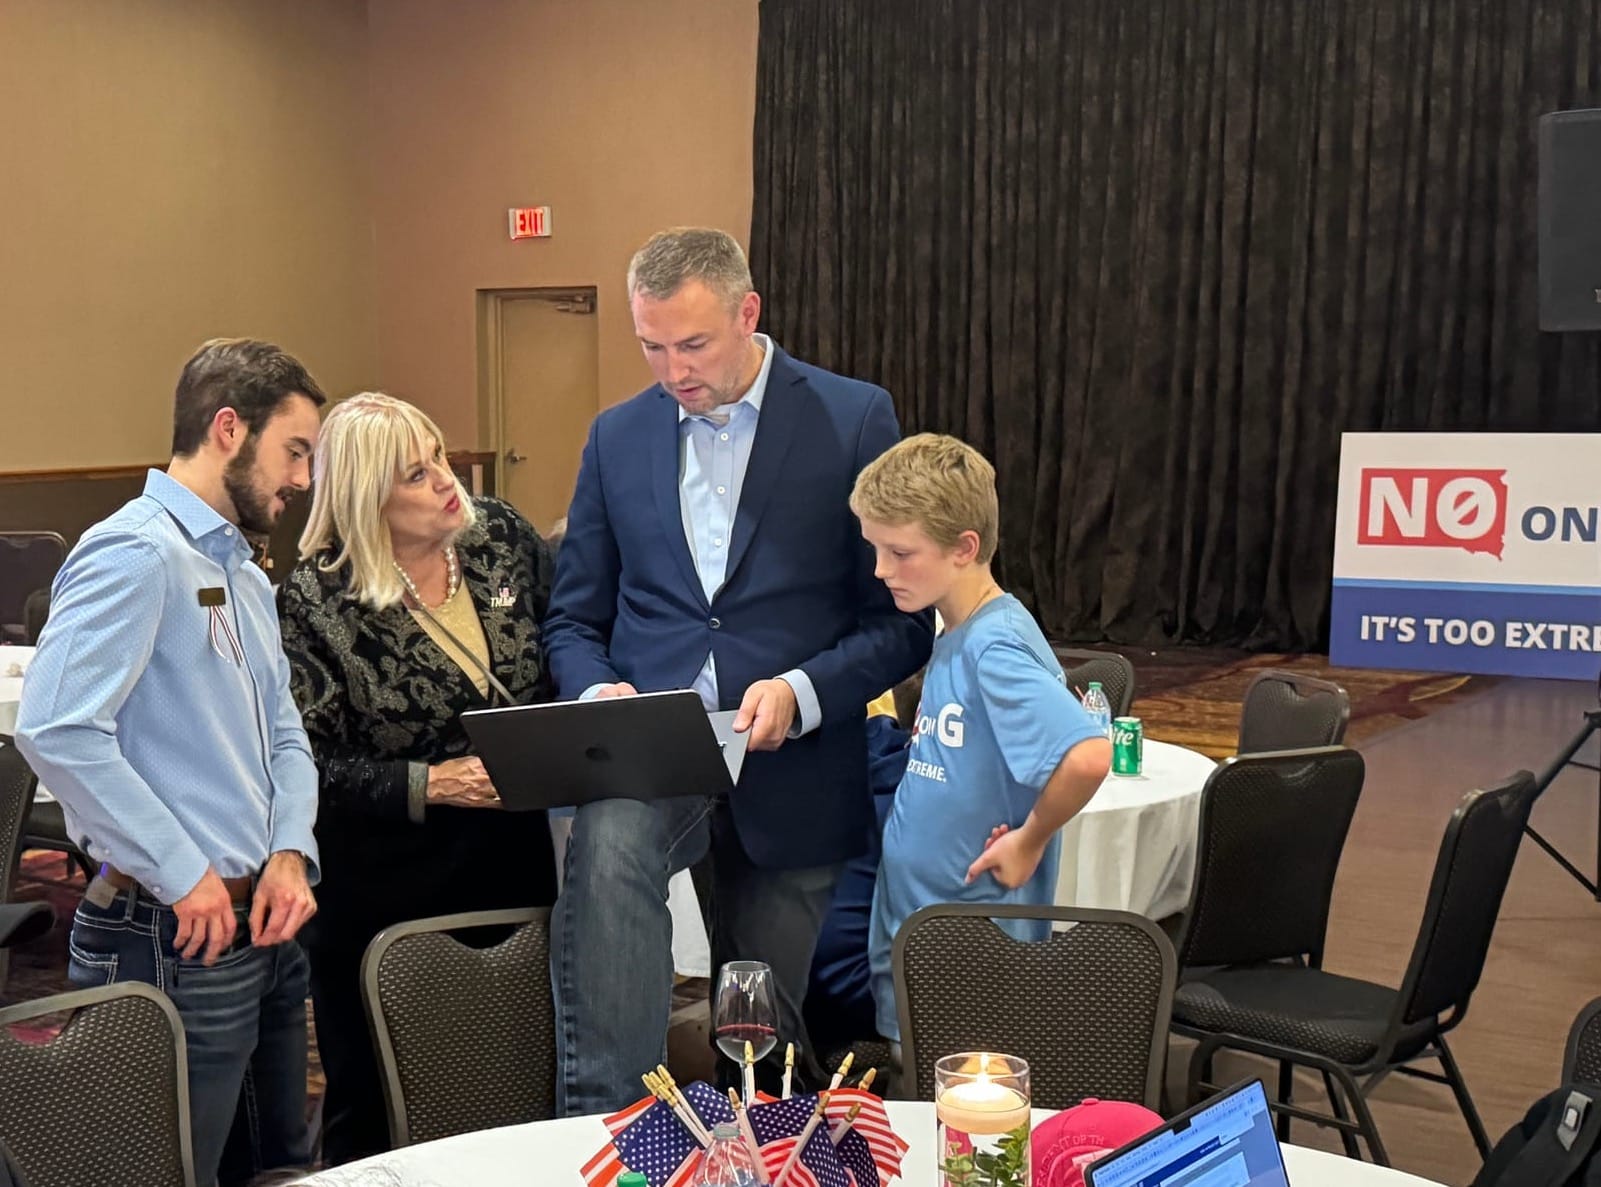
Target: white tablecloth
<point>550,1153</point>
<point>11,695</point>
<point>1133,846</point>
<point>1131,849</point>
<point>11,686</point>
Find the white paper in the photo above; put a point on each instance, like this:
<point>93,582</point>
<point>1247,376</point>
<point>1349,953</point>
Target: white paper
<point>733,744</point>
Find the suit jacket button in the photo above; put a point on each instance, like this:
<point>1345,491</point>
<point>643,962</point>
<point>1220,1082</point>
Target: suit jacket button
<point>715,624</point>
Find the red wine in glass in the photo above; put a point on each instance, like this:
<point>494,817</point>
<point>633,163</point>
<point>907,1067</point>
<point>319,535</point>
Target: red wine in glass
<point>731,1040</point>
<point>744,1010</point>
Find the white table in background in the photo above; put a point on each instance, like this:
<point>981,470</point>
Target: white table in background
<point>11,686</point>
<point>550,1153</point>
<point>11,696</point>
<point>1131,849</point>
<point>1133,846</point>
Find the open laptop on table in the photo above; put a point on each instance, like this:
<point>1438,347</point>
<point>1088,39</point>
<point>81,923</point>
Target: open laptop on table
<point>651,746</point>
<point>1227,1141</point>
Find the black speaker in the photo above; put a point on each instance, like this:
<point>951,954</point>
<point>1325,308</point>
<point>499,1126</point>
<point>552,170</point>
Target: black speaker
<point>1570,220</point>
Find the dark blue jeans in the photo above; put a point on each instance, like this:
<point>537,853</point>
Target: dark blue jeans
<point>244,1022</point>
<point>612,935</point>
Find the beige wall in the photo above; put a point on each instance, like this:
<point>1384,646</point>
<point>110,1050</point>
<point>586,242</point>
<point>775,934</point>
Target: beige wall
<point>624,116</point>
<point>173,170</point>
<point>334,175</point>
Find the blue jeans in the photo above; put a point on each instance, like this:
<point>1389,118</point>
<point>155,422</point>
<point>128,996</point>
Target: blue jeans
<point>611,937</point>
<point>244,1022</point>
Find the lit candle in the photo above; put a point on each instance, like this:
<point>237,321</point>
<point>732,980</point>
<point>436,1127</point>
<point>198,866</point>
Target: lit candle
<point>981,1106</point>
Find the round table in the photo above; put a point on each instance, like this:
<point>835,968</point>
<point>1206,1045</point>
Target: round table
<point>508,1158</point>
<point>11,696</point>
<point>11,686</point>
<point>1132,848</point>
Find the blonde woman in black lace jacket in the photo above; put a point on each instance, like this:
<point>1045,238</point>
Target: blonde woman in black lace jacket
<point>407,591</point>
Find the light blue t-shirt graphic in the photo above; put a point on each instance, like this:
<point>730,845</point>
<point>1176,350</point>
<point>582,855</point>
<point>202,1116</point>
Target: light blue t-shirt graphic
<point>994,722</point>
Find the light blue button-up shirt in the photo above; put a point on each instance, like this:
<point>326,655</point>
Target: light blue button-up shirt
<point>713,455</point>
<point>170,748</point>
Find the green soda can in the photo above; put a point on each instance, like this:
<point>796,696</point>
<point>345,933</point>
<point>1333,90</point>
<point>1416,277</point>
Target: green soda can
<point>1128,746</point>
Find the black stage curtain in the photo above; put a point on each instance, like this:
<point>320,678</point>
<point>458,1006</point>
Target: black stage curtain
<point>1154,256</point>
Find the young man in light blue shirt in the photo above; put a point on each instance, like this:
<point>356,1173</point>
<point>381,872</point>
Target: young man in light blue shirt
<point>157,710</point>
<point>1002,754</point>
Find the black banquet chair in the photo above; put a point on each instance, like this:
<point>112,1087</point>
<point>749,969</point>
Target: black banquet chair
<point>29,561</point>
<point>1114,671</point>
<point>1353,1030</point>
<point>1291,711</point>
<point>1088,1008</point>
<point>107,1099</point>
<point>466,1037</point>
<point>1582,1058</point>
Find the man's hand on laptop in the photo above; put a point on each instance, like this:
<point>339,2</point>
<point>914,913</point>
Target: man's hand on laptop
<point>205,920</point>
<point>283,900</point>
<point>621,689</point>
<point>461,783</point>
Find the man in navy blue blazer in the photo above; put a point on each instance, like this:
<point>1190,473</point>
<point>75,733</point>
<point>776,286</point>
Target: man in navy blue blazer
<point>710,546</point>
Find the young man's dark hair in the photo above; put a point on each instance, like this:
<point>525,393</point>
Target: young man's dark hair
<point>251,377</point>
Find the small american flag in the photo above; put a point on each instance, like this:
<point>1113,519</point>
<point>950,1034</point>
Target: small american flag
<point>648,1137</point>
<point>776,1126</point>
<point>872,1124</point>
<point>857,1158</point>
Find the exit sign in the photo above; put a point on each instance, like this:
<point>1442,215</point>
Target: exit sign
<point>529,222</point>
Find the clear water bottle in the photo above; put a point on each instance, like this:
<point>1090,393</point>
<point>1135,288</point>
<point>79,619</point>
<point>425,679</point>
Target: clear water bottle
<point>1098,707</point>
<point>727,1162</point>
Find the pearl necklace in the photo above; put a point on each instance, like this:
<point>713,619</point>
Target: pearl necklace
<point>452,581</point>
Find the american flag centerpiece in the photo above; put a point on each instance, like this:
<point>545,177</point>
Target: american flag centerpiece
<point>870,1149</point>
<point>850,1145</point>
<point>650,1137</point>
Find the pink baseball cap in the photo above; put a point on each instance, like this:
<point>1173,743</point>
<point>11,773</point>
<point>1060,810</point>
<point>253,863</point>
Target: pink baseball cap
<point>1064,1144</point>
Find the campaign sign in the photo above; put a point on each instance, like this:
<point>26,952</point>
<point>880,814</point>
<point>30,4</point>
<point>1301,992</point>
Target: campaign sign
<point>1469,552</point>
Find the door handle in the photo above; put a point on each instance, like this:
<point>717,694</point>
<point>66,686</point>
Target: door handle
<point>513,457</point>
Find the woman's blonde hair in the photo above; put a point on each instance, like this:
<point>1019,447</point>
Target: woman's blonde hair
<point>365,444</point>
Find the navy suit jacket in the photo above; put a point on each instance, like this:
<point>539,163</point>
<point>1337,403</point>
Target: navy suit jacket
<point>627,603</point>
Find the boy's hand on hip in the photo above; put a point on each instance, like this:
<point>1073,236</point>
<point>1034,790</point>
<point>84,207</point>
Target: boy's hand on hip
<point>1010,855</point>
<point>767,711</point>
<point>283,900</point>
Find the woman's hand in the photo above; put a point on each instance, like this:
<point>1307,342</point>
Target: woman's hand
<point>461,783</point>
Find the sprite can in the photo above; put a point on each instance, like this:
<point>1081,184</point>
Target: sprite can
<point>1128,746</point>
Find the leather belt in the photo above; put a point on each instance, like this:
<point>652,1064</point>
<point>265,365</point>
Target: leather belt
<point>238,888</point>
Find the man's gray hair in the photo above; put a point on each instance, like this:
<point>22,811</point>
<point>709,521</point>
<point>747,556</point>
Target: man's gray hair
<point>708,255</point>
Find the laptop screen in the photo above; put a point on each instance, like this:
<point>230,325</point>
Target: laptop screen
<point>1227,1141</point>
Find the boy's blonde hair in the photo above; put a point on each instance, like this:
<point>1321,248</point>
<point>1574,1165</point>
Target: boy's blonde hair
<point>941,484</point>
<point>365,443</point>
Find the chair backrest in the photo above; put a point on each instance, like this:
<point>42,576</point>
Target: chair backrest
<point>1582,1058</point>
<point>28,561</point>
<point>107,1099</point>
<point>1114,671</point>
<point>1271,832</point>
<point>1088,1008</point>
<point>1289,711</point>
<point>35,613</point>
<point>1470,877</point>
<point>466,1037</point>
<point>17,783</point>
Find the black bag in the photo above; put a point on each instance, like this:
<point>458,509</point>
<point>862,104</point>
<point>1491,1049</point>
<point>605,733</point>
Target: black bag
<point>1557,1144</point>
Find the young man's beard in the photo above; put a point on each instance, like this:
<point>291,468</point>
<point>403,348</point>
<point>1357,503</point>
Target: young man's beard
<point>254,508</point>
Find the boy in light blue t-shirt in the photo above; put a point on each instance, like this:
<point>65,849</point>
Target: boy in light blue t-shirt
<point>1002,754</point>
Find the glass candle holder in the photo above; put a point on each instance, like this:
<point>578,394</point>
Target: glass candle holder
<point>981,1099</point>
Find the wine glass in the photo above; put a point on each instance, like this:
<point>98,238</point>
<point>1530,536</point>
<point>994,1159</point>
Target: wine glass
<point>744,1010</point>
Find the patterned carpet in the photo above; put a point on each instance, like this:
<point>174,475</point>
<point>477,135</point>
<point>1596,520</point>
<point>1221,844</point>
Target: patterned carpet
<point>1190,696</point>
